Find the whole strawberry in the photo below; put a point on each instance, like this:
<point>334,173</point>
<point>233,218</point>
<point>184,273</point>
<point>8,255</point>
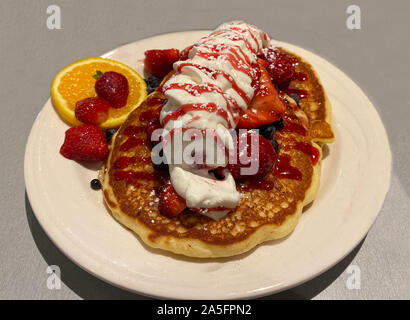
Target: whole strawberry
<point>280,68</point>
<point>263,160</point>
<point>113,87</point>
<point>84,143</point>
<point>92,110</point>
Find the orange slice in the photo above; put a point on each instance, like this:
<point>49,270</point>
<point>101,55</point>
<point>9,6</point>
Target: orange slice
<point>75,82</point>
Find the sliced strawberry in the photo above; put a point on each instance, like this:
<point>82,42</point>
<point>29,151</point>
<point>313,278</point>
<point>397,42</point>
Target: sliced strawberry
<point>266,106</point>
<point>255,118</point>
<point>92,110</point>
<point>264,159</point>
<point>159,62</point>
<point>280,66</point>
<point>171,203</point>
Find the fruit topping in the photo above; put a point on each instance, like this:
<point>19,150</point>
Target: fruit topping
<point>84,143</point>
<point>109,134</point>
<point>159,62</point>
<point>279,124</point>
<point>113,87</point>
<point>95,184</point>
<point>280,66</point>
<point>265,107</point>
<point>275,145</point>
<point>170,202</point>
<point>267,131</point>
<point>295,97</point>
<point>264,159</point>
<point>153,125</point>
<point>76,82</point>
<point>92,110</point>
<point>153,83</point>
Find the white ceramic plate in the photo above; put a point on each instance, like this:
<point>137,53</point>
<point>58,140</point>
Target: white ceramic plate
<point>355,179</point>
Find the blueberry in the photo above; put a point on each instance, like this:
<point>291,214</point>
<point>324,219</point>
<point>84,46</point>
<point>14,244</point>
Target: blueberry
<point>153,81</point>
<point>95,184</point>
<point>150,89</point>
<point>267,131</point>
<point>218,174</point>
<point>108,134</point>
<point>275,145</point>
<point>279,124</point>
<point>295,97</point>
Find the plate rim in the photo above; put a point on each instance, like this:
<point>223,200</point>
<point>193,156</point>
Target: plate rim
<point>88,264</point>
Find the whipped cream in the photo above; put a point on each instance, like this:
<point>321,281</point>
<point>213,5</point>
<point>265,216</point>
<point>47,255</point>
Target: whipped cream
<point>206,92</point>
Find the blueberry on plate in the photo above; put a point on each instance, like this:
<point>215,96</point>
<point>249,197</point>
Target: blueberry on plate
<point>295,97</point>
<point>275,145</point>
<point>279,124</point>
<point>267,131</point>
<point>95,184</point>
<point>150,89</point>
<point>108,134</point>
<point>152,83</point>
<point>218,173</point>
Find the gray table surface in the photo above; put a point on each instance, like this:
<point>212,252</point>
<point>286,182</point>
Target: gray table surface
<point>376,57</point>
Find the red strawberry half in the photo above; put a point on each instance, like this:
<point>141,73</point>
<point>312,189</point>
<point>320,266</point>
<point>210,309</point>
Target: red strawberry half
<point>265,107</point>
<point>170,202</point>
<point>84,143</point>
<point>92,110</point>
<point>264,159</point>
<point>113,87</point>
<point>159,62</point>
<point>280,68</point>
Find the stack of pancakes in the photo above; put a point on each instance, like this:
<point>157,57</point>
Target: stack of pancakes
<point>261,215</point>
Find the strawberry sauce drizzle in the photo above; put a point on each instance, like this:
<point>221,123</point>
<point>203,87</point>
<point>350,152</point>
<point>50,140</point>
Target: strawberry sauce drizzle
<point>132,142</point>
<point>256,185</point>
<point>307,149</point>
<point>124,162</point>
<point>196,90</point>
<point>284,170</point>
<point>214,74</point>
<point>132,177</point>
<point>292,125</point>
<point>208,107</point>
<point>133,130</point>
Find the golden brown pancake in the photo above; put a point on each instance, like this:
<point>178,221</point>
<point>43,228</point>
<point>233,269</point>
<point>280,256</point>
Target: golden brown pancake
<point>264,213</point>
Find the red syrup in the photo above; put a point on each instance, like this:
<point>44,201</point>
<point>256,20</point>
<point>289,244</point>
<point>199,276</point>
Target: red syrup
<point>301,93</point>
<point>133,130</point>
<point>299,76</point>
<point>256,185</point>
<point>284,170</point>
<point>209,107</point>
<point>124,162</point>
<point>132,177</point>
<point>290,125</point>
<point>308,149</point>
<point>132,142</point>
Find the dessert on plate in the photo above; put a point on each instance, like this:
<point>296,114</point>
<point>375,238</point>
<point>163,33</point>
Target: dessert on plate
<point>232,79</point>
<point>221,155</point>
